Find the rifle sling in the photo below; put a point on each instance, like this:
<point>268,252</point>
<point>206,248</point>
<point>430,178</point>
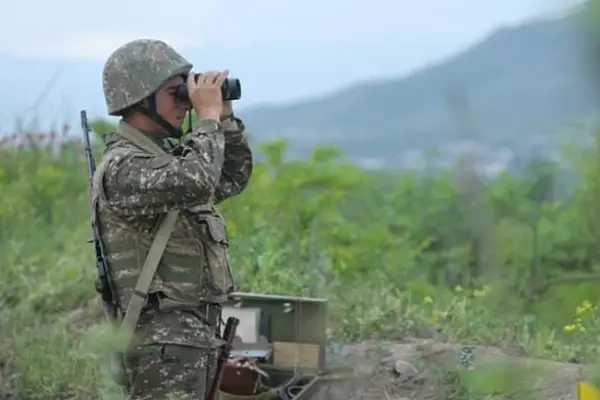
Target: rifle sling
<point>138,297</point>
<point>159,243</point>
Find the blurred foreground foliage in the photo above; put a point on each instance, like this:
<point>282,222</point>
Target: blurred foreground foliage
<point>503,261</point>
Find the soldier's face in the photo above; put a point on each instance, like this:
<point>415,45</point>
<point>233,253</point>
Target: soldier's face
<point>168,107</point>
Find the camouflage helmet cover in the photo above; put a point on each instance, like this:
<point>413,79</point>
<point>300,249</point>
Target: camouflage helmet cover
<point>135,70</point>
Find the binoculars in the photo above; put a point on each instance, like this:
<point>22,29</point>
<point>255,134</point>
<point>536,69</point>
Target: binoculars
<point>230,90</point>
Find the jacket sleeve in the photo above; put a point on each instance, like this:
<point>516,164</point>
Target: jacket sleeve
<point>137,183</point>
<point>238,164</point>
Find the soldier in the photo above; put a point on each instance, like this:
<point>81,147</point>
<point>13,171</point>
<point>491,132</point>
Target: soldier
<point>164,243</point>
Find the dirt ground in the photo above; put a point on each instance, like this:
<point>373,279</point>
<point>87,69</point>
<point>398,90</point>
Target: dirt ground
<point>424,370</point>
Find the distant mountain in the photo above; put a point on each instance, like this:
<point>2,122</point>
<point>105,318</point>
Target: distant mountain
<point>524,84</point>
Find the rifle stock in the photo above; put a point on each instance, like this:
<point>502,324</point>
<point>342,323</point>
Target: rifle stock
<point>228,336</point>
<point>103,285</point>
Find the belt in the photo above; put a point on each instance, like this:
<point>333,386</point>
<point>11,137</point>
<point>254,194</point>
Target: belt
<point>210,313</point>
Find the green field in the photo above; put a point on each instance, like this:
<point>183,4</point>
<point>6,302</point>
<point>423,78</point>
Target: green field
<point>502,263</point>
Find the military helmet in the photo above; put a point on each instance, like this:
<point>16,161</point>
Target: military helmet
<point>137,69</point>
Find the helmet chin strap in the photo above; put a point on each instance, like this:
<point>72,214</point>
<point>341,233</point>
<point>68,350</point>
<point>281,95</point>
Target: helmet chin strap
<point>148,108</point>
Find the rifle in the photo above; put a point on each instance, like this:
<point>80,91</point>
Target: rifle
<point>102,285</point>
<point>228,336</point>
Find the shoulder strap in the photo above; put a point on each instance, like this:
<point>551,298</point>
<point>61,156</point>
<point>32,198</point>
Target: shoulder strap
<point>138,297</point>
<point>159,243</point>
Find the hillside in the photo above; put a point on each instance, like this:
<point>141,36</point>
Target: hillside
<point>524,84</point>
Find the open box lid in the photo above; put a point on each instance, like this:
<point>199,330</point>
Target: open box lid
<point>293,328</point>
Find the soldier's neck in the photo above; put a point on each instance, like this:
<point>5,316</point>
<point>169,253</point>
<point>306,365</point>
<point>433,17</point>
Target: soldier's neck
<point>157,135</point>
<point>129,132</point>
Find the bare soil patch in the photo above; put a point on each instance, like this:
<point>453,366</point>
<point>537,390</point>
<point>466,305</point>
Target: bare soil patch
<point>425,370</point>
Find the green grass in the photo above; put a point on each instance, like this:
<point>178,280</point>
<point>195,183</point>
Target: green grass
<point>396,254</point>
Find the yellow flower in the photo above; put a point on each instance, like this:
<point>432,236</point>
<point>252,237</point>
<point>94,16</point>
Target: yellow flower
<point>427,300</point>
<point>585,306</point>
<point>577,326</point>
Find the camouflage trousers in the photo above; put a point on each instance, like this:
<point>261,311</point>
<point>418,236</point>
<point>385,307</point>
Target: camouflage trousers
<point>173,357</point>
<point>168,371</point>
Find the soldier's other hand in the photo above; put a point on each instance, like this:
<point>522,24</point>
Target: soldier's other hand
<point>205,93</point>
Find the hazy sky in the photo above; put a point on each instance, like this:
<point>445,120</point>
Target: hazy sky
<point>91,29</point>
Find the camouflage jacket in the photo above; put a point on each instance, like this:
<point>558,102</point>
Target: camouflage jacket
<point>132,188</point>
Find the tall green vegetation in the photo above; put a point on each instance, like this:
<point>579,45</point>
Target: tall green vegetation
<point>396,254</point>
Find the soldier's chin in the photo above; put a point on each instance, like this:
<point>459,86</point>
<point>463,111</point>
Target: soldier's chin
<point>178,124</point>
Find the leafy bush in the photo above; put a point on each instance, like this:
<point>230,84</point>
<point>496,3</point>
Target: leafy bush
<point>444,255</point>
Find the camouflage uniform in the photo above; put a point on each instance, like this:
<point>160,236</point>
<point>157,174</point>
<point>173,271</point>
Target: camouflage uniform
<point>175,344</point>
